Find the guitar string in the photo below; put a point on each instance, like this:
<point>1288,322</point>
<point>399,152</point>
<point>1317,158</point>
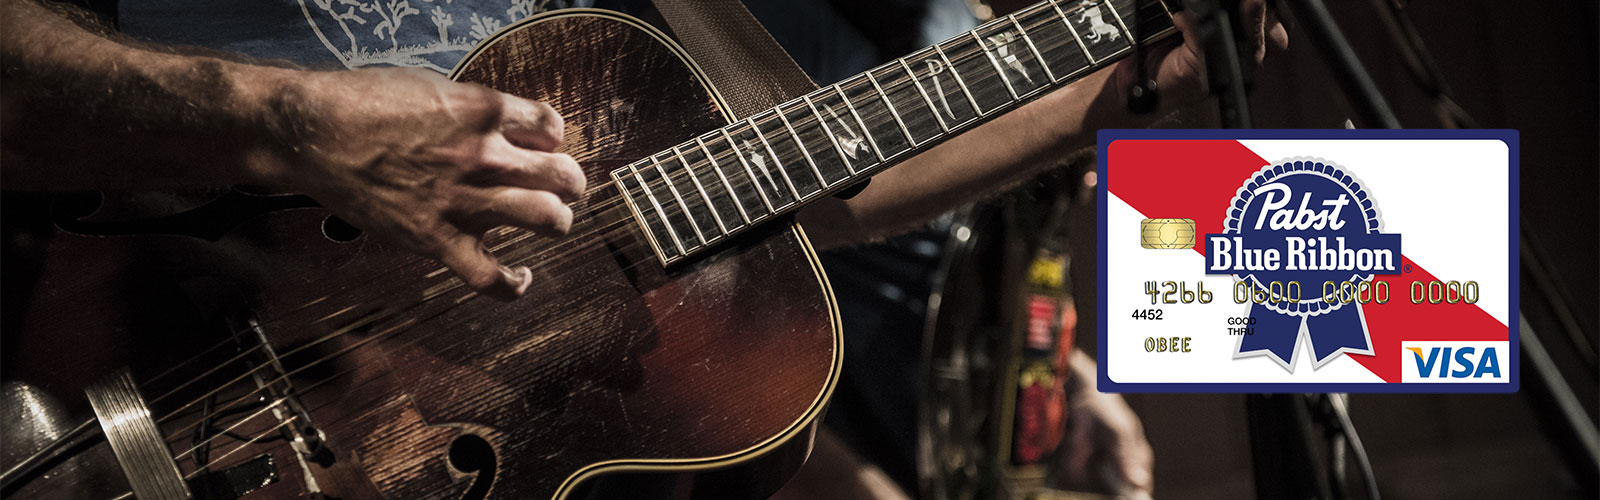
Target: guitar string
<point>225,455</point>
<point>568,252</point>
<point>688,173</point>
<point>809,120</point>
<point>901,82</point>
<point>769,119</point>
<point>898,82</point>
<point>306,390</point>
<point>704,166</point>
<point>176,437</point>
<point>224,433</point>
<point>252,416</point>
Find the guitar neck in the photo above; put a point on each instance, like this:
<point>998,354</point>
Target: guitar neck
<point>693,196</point>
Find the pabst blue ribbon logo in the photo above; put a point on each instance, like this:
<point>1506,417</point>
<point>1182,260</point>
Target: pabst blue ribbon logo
<point>1304,234</point>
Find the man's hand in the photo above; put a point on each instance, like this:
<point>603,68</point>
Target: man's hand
<point>1105,442</point>
<point>427,164</point>
<point>409,156</point>
<point>1180,73</point>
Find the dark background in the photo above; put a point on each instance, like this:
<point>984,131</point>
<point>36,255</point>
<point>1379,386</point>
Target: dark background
<point>1529,66</point>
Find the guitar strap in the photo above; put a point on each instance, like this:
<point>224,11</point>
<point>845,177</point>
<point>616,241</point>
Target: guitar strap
<point>740,57</point>
<point>746,64</point>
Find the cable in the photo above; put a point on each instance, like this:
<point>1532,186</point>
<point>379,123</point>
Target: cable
<point>1336,406</point>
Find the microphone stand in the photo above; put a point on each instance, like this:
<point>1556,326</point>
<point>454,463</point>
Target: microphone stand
<point>1281,425</point>
<point>1560,414</point>
<point>1283,437</point>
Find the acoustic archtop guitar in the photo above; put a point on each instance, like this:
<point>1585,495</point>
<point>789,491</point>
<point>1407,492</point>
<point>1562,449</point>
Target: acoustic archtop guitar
<point>680,342</point>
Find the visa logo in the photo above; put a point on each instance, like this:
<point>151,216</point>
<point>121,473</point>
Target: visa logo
<point>1454,361</point>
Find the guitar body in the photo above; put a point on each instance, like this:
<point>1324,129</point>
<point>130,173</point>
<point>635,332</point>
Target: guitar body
<point>612,378</point>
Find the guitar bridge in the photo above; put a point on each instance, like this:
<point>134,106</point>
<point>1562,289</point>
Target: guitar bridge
<point>294,421</point>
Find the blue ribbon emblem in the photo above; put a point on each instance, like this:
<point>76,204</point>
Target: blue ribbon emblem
<point>1311,224</point>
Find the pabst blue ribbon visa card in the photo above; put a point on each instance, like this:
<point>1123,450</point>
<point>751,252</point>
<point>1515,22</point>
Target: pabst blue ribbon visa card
<point>1308,260</point>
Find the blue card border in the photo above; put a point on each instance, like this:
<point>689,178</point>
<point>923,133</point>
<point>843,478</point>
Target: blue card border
<point>1508,136</point>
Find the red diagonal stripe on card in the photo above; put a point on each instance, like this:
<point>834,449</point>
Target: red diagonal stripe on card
<point>1183,179</point>
<point>1399,319</point>
<point>1196,179</point>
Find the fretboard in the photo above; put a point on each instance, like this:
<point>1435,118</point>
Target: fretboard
<point>690,198</point>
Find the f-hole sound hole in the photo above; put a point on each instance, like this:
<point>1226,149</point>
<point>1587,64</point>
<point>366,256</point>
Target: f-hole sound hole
<point>337,229</point>
<point>473,455</point>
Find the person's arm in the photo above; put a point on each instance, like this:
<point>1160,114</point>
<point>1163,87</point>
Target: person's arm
<point>1017,145</point>
<point>406,155</point>
<point>1105,444</point>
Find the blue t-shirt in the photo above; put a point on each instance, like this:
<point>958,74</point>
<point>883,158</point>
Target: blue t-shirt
<point>329,34</point>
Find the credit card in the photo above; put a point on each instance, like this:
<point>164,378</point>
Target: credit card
<point>1308,260</point>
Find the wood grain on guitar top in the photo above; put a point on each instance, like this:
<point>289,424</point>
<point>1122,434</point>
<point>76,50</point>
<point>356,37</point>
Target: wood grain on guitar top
<point>609,366</point>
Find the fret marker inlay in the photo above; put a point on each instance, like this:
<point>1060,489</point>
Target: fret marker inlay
<point>690,198</point>
<point>1003,51</point>
<point>760,162</point>
<point>935,67</point>
<point>1097,24</point>
<point>851,145</point>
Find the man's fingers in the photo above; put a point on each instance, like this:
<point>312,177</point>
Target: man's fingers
<point>531,124</point>
<point>1188,58</point>
<point>1134,460</point>
<point>465,256</point>
<point>1255,19</point>
<point>537,210</point>
<point>1276,32</point>
<point>513,166</point>
<point>1080,446</point>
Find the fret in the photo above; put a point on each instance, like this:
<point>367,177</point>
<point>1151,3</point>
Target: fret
<point>1151,17</point>
<point>996,64</point>
<point>732,195</point>
<point>753,145</point>
<point>950,102</point>
<point>828,131</point>
<point>896,114</point>
<point>801,143</point>
<point>1037,56</point>
<point>908,99</point>
<point>1118,13</point>
<point>1058,46</point>
<point>1101,38</point>
<point>754,181</point>
<point>879,124</point>
<point>644,186</point>
<point>813,138</point>
<point>894,110</point>
<point>839,93</point>
<point>1022,69</point>
<point>756,158</point>
<point>1067,21</point>
<point>913,75</point>
<point>959,83</point>
<point>649,221</point>
<point>785,153</point>
<point>699,186</point>
<point>987,91</point>
<point>673,188</point>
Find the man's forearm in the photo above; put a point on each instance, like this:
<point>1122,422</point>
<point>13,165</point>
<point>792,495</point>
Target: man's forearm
<point>1014,147</point>
<point>994,156</point>
<point>82,110</point>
